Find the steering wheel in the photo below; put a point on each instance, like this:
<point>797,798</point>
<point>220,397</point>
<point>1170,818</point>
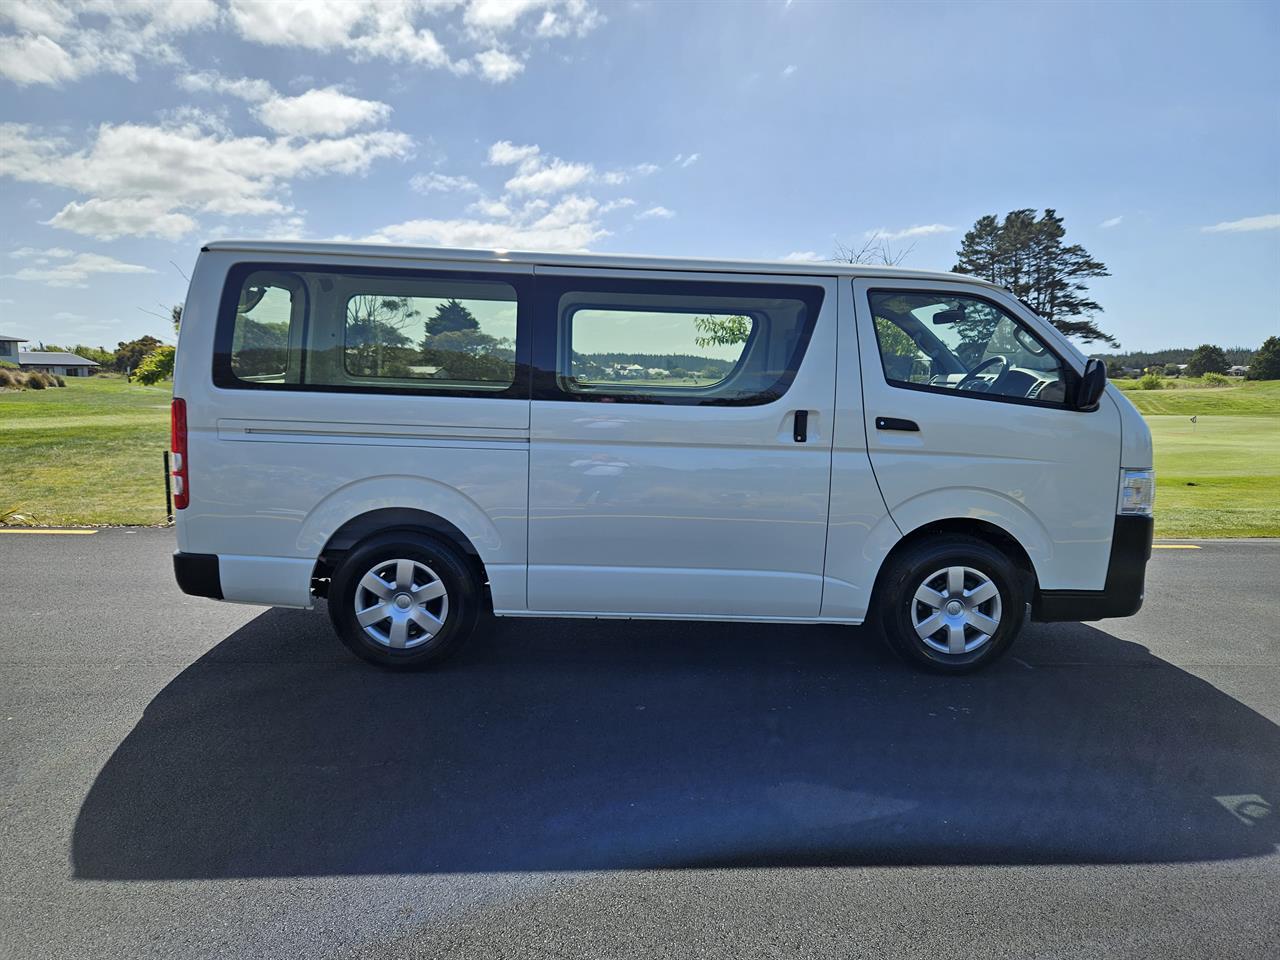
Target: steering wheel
<point>972,375</point>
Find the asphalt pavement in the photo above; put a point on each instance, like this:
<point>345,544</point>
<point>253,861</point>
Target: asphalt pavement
<point>181,777</point>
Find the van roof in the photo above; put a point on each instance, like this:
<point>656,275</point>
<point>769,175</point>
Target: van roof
<point>807,268</point>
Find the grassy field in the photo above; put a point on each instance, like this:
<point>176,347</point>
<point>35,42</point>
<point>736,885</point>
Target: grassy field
<point>91,454</point>
<point>87,454</point>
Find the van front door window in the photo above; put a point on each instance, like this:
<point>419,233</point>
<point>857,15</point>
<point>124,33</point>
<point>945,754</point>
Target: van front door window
<point>962,344</point>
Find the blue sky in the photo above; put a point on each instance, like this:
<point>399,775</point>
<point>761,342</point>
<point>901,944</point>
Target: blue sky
<point>130,133</point>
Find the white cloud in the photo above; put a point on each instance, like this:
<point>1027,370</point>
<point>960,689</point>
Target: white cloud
<point>68,315</point>
<point>364,29</point>
<point>209,81</point>
<point>494,209</point>
<point>788,70</point>
<point>326,112</point>
<point>441,183</point>
<point>109,219</point>
<point>620,204</point>
<point>497,66</point>
<point>149,180</point>
<point>72,270</point>
<point>560,18</point>
<point>536,172</point>
<point>1113,222</point>
<point>56,41</point>
<point>911,233</point>
<point>684,160</point>
<point>555,177</point>
<point>504,153</point>
<point>1268,221</point>
<point>804,256</point>
<point>655,213</point>
<point>572,223</point>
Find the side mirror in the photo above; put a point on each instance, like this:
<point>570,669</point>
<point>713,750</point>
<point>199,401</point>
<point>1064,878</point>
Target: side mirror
<point>1092,383</point>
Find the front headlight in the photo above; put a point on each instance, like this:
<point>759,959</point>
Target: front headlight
<point>1137,492</point>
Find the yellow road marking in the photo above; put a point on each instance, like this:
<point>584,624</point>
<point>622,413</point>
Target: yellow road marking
<point>30,530</point>
<point>1174,546</point>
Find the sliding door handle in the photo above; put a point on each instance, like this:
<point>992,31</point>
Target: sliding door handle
<point>801,431</point>
<point>893,423</point>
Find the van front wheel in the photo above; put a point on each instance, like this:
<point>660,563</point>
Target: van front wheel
<point>402,601</point>
<point>951,605</point>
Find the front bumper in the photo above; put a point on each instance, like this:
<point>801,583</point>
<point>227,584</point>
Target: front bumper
<point>1126,577</point>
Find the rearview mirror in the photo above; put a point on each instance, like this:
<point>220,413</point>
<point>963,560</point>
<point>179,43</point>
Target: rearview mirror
<point>949,316</point>
<point>1092,383</point>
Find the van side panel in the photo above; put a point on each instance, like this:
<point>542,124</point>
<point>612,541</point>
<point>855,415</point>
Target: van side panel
<point>860,533</point>
<point>275,473</point>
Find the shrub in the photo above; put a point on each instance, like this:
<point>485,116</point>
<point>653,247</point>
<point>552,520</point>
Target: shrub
<point>6,379</point>
<point>9,365</point>
<point>36,381</point>
<point>155,366</point>
<point>59,381</point>
<point>1212,379</point>
<point>1150,382</point>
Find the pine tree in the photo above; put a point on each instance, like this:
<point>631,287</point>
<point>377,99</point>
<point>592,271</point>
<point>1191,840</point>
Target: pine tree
<point>1266,362</point>
<point>451,317</point>
<point>1028,256</point>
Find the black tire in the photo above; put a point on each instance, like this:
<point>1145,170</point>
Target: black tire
<point>463,593</point>
<point>895,603</point>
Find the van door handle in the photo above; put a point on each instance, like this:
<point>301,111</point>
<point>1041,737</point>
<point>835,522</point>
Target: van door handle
<point>893,423</point>
<point>801,432</point>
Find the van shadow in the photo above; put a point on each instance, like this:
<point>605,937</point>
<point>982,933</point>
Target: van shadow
<point>561,745</point>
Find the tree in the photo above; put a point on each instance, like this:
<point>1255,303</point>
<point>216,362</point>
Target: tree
<point>176,313</point>
<point>129,353</point>
<point>1028,256</point>
<point>1266,362</point>
<point>155,366</point>
<point>1206,359</point>
<point>451,316</point>
<point>721,331</point>
<point>875,249</point>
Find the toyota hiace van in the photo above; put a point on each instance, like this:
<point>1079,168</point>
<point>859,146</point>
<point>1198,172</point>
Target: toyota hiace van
<point>419,437</point>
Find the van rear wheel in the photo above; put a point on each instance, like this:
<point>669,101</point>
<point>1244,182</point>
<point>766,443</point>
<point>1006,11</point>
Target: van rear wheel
<point>951,605</point>
<point>404,601</point>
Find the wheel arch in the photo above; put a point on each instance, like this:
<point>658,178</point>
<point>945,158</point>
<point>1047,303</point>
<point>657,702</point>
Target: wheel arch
<point>984,530</point>
<point>391,520</point>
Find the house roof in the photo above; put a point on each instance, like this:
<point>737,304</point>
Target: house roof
<point>53,358</point>
<point>14,339</point>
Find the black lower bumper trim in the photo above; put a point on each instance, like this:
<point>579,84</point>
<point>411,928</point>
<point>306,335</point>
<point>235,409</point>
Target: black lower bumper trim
<point>1126,580</point>
<point>197,574</point>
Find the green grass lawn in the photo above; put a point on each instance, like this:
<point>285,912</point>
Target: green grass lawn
<point>87,454</point>
<point>91,454</point>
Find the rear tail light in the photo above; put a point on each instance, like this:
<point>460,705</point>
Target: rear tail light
<point>178,446</point>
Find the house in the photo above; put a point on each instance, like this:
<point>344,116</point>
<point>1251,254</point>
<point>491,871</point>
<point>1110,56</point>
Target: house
<point>45,361</point>
<point>1237,370</point>
<point>9,348</point>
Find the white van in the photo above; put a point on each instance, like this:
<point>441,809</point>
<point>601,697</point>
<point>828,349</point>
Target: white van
<point>420,436</point>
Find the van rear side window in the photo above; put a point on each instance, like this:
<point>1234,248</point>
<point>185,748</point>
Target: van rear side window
<point>367,331</point>
<point>681,342</point>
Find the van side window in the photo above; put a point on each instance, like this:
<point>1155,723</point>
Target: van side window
<point>365,330</point>
<point>963,345</point>
<point>412,330</point>
<point>265,312</point>
<point>679,342</point>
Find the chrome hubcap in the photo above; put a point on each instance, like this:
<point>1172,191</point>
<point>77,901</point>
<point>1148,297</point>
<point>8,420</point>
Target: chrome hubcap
<point>401,604</point>
<point>956,610</point>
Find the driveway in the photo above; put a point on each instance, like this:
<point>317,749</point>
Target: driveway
<point>182,777</point>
